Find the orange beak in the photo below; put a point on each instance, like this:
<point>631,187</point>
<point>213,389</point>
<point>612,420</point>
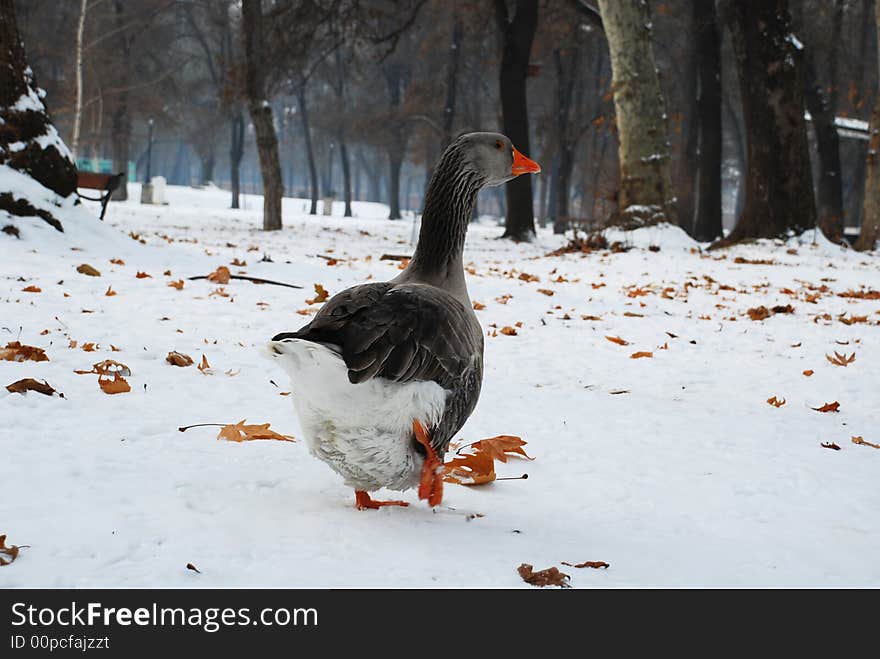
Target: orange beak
<point>523,165</point>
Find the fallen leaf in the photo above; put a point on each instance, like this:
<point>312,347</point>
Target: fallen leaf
<point>190,566</point>
<point>479,306</point>
<point>498,448</point>
<point>110,292</point>
<point>630,314</point>
<point>239,432</point>
<point>117,261</point>
<point>828,407</point>
<point>525,276</point>
<point>776,402</point>
<point>831,445</point>
<point>117,385</point>
<point>178,359</point>
<point>88,347</point>
<point>32,289</point>
<point>543,578</point>
<point>862,442</point>
<point>321,296</point>
<point>29,384</point>
<point>204,367</point>
<point>841,360</point>
<point>808,372</point>
<point>237,263</point>
<point>220,275</point>
<point>471,469</point>
<point>12,551</point>
<point>640,355</point>
<point>759,313</point>
<point>108,367</point>
<point>783,309</point>
<point>17,352</point>
<point>590,318</point>
<point>86,269</point>
<point>593,564</point>
<point>176,284</point>
<point>547,292</point>
<point>617,340</point>
<point>143,275</point>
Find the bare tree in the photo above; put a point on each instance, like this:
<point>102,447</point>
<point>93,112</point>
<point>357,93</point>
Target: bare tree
<point>261,112</point>
<point>517,33</point>
<point>870,232</point>
<point>707,218</point>
<point>779,184</point>
<point>646,195</point>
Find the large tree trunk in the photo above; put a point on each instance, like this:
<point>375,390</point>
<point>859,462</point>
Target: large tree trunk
<point>646,194</point>
<point>779,184</point>
<point>870,231</point>
<point>24,120</point>
<point>121,129</point>
<point>261,113</point>
<point>830,197</point>
<point>310,153</point>
<point>707,218</point>
<point>517,34</point>
<point>341,135</point>
<point>566,64</point>
<point>78,76</point>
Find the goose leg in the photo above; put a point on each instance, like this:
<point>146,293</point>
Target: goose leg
<point>431,483</point>
<point>364,502</point>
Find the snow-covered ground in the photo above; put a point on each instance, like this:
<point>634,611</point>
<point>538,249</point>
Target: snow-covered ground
<point>673,469</point>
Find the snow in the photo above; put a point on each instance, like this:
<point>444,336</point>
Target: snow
<point>687,478</point>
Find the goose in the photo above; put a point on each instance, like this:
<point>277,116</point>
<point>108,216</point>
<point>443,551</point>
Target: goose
<point>386,373</point>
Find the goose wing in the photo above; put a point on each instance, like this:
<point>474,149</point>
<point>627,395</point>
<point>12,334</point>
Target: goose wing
<point>401,332</point>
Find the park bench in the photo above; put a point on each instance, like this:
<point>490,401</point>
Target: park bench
<point>106,183</point>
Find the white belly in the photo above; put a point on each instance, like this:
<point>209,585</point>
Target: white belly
<point>363,431</point>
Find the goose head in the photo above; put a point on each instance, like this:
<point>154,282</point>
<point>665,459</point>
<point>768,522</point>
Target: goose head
<point>493,157</point>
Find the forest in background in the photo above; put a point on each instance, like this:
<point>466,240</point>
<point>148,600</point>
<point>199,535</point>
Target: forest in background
<point>359,97</point>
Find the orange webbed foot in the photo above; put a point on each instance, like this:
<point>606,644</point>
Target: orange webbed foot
<point>431,483</point>
<point>365,502</point>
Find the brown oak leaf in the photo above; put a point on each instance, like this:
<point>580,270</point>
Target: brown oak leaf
<point>29,384</point>
<point>829,407</point>
<point>241,432</point>
<point>543,578</point>
<point>178,359</point>
<point>18,352</point>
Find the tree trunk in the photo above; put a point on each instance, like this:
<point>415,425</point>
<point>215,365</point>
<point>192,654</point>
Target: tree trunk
<point>261,113</point>
<point>517,35</point>
<point>566,64</point>
<point>830,197</point>
<point>870,231</point>
<point>78,74</point>
<point>44,157</point>
<point>121,127</point>
<point>346,177</point>
<point>646,194</point>
<point>236,151</point>
<point>451,80</point>
<point>207,162</point>
<point>310,154</point>
<point>779,184</point>
<point>395,160</point>
<point>707,216</point>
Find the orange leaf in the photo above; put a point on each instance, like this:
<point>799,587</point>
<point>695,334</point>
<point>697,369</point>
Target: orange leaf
<point>640,355</point>
<point>808,372</point>
<point>472,469</point>
<point>239,432</point>
<point>841,360</point>
<point>508,330</point>
<point>828,407</point>
<point>593,564</point>
<point>29,384</point>
<point>110,292</point>
<point>117,261</point>
<point>547,292</point>
<point>108,367</point>
<point>583,317</point>
<point>775,402</point>
<point>321,296</point>
<point>220,275</point>
<point>617,340</point>
<point>117,385</point>
<point>543,578</point>
<point>143,275</point>
<point>32,289</point>
<point>176,284</point>
<point>88,347</point>
<point>205,367</point>
<point>499,447</point>
<point>12,551</point>
<point>17,352</point>
<point>479,306</point>
<point>178,359</point>
<point>759,313</point>
<point>862,442</point>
